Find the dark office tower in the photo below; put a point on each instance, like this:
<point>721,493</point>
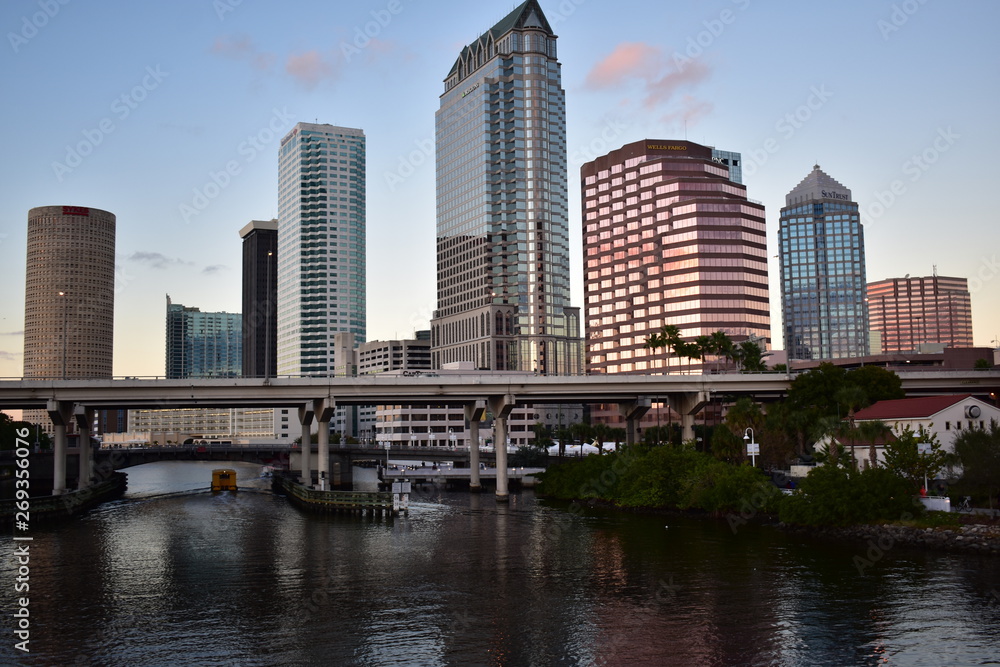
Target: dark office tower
<point>908,312</point>
<point>822,259</point>
<point>203,345</point>
<point>503,270</point>
<point>260,290</point>
<point>669,239</point>
<point>69,300</point>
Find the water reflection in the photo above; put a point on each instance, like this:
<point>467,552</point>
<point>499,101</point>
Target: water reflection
<point>221,579</point>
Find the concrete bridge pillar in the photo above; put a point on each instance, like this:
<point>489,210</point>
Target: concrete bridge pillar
<point>305,418</point>
<point>687,405</point>
<point>633,412</point>
<point>60,413</point>
<point>84,421</point>
<point>473,415</point>
<point>501,407</point>
<point>323,409</point>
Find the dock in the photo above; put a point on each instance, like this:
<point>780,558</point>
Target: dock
<point>70,504</point>
<point>314,500</point>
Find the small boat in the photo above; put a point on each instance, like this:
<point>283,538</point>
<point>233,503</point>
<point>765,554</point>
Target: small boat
<point>223,479</point>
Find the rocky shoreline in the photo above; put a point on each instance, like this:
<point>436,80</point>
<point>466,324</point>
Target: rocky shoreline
<point>974,535</point>
<point>981,538</point>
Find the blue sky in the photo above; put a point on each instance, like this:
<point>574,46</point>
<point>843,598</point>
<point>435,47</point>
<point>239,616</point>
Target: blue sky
<point>896,100</point>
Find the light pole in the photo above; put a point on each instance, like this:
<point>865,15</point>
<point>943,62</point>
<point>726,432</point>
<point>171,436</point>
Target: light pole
<point>451,437</point>
<point>753,448</point>
<point>65,333</point>
<point>267,321</point>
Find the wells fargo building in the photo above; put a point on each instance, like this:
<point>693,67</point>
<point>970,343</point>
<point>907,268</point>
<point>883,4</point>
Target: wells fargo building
<point>669,238</point>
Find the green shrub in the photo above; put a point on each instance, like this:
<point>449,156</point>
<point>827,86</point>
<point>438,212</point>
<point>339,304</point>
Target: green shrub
<point>832,495</point>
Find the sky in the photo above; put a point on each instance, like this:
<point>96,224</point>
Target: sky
<point>169,115</point>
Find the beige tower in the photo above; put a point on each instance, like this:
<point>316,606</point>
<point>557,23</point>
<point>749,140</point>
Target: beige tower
<point>69,298</point>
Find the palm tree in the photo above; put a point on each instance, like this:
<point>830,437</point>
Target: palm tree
<point>704,347</point>
<point>618,435</point>
<point>689,351</point>
<point>749,356</point>
<point>668,337</point>
<point>600,431</point>
<point>721,345</point>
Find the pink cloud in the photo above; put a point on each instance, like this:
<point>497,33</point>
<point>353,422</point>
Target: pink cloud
<point>309,69</point>
<point>660,91</point>
<point>243,48</point>
<point>660,78</point>
<point>627,61</point>
<point>692,110</point>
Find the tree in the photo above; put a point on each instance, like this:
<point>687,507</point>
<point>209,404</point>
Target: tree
<point>878,384</point>
<point>721,345</point>
<point>751,357</point>
<point>979,452</point>
<point>903,456</point>
<point>982,365</point>
<point>618,435</point>
<point>871,432</point>
<point>581,432</point>
<point>668,337</point>
<point>9,433</point>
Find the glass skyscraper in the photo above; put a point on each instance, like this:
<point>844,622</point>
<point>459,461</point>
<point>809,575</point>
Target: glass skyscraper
<point>669,238</point>
<point>822,259</point>
<point>321,245</point>
<point>203,345</point>
<point>503,273</point>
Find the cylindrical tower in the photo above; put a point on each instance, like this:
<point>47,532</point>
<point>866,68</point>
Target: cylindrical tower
<point>69,299</point>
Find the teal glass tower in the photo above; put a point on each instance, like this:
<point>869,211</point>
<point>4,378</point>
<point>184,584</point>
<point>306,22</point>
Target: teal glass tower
<point>823,279</point>
<point>203,345</point>
<point>503,272</point>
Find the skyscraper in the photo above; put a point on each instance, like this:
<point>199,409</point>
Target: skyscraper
<point>822,259</point>
<point>69,300</point>
<point>203,345</point>
<point>669,239</point>
<point>260,289</point>
<point>321,245</point>
<point>908,312</point>
<point>503,273</point>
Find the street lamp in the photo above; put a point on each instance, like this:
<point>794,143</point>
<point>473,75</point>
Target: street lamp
<point>753,448</point>
<point>267,321</point>
<point>452,437</point>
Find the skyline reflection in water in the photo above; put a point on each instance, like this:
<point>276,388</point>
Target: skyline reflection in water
<point>170,575</point>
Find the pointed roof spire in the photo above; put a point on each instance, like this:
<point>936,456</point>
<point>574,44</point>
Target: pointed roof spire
<point>817,185</point>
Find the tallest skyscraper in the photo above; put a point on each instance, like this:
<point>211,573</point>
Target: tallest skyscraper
<point>503,276</point>
<point>321,247</point>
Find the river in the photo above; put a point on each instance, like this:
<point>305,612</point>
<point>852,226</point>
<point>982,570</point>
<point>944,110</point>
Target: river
<point>173,575</point>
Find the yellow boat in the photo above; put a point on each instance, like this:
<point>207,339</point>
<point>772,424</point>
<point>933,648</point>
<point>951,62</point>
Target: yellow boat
<point>223,479</point>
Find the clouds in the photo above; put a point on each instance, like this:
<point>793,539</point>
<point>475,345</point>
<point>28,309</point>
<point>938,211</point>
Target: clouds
<point>310,68</point>
<point>242,48</point>
<point>160,262</point>
<point>157,260</point>
<point>659,79</point>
